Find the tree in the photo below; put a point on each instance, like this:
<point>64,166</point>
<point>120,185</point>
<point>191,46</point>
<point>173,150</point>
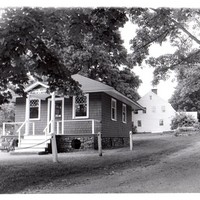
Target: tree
<point>187,94</point>
<point>180,27</point>
<point>182,120</point>
<point>56,43</point>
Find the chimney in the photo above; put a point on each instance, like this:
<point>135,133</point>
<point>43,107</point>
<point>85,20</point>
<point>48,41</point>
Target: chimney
<point>154,91</point>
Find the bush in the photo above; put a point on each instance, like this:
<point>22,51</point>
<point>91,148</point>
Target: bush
<point>183,120</point>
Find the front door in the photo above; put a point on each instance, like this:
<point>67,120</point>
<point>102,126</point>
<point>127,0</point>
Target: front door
<point>59,115</point>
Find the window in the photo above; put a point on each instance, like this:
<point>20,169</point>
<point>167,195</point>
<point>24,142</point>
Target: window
<point>139,123</point>
<point>150,97</point>
<point>153,109</point>
<point>34,109</point>
<point>81,106</point>
<point>58,109</point>
<point>114,109</point>
<point>145,111</point>
<point>163,108</point>
<point>161,122</point>
<point>124,113</point>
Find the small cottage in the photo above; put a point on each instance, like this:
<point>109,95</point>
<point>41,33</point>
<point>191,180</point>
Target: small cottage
<point>78,119</point>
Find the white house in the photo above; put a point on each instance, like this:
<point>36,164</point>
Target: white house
<point>158,114</point>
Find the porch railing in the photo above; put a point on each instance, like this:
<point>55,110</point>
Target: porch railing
<point>75,127</point>
<point>15,131</point>
<point>47,128</point>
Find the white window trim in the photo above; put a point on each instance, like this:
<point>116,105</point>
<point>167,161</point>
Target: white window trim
<point>39,109</point>
<point>161,120</point>
<point>124,106</point>
<point>114,119</point>
<point>153,109</point>
<point>163,109</point>
<point>73,108</point>
<point>140,123</point>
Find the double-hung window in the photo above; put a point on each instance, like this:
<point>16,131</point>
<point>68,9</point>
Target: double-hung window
<point>163,108</point>
<point>139,123</point>
<point>81,106</point>
<point>34,108</point>
<point>161,122</point>
<point>113,109</point>
<point>124,113</point>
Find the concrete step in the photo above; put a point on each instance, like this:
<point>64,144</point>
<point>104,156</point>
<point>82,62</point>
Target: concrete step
<point>28,152</point>
<point>33,145</point>
<point>31,141</point>
<point>36,137</point>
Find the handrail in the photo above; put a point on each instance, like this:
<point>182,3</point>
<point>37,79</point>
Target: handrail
<point>19,132</point>
<point>47,126</point>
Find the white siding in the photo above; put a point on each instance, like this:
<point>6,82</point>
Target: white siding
<point>156,110</point>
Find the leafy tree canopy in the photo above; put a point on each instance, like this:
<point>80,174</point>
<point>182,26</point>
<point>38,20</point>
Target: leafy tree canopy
<point>56,43</point>
<point>187,94</point>
<point>180,27</point>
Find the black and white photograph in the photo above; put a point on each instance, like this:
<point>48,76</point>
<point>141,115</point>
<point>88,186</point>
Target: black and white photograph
<point>99,98</point>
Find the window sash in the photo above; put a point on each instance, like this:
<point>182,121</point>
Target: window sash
<point>161,122</point>
<point>139,123</point>
<point>163,109</point>
<point>81,108</point>
<point>113,109</point>
<point>124,113</point>
<point>34,109</point>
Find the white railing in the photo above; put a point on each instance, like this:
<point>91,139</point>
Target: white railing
<point>76,126</point>
<point>18,131</point>
<point>46,129</point>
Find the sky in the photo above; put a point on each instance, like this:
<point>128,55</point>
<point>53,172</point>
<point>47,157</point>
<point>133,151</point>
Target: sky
<point>165,88</point>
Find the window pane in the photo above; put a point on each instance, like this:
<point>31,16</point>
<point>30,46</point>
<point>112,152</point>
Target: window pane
<point>161,122</point>
<point>139,123</point>
<point>81,106</point>
<point>58,109</point>
<point>113,110</point>
<point>153,109</point>
<point>163,108</point>
<point>124,113</point>
<point>34,108</point>
<point>34,113</point>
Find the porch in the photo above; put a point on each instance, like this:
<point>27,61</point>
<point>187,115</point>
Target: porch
<point>66,127</point>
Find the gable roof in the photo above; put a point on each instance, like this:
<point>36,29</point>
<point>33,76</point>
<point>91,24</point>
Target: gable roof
<point>90,86</point>
<point>150,93</point>
<point>34,85</point>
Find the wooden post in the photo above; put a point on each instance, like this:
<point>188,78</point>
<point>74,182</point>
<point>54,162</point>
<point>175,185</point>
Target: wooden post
<point>27,115</point>
<point>131,140</point>
<point>4,128</point>
<point>99,144</point>
<point>93,126</point>
<point>54,146</point>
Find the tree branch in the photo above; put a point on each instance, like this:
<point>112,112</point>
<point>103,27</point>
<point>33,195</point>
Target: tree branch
<point>181,27</point>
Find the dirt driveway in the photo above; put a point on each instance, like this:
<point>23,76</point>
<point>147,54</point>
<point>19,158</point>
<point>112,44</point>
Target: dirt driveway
<point>158,163</point>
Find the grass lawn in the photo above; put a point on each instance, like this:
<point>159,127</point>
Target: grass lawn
<point>78,170</point>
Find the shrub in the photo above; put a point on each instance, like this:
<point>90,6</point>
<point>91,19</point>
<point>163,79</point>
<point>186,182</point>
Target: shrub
<point>183,120</point>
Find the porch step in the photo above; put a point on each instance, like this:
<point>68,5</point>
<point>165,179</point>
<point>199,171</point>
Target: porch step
<point>18,151</point>
<point>36,144</point>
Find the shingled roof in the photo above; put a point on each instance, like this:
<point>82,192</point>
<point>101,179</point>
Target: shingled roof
<point>90,86</point>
